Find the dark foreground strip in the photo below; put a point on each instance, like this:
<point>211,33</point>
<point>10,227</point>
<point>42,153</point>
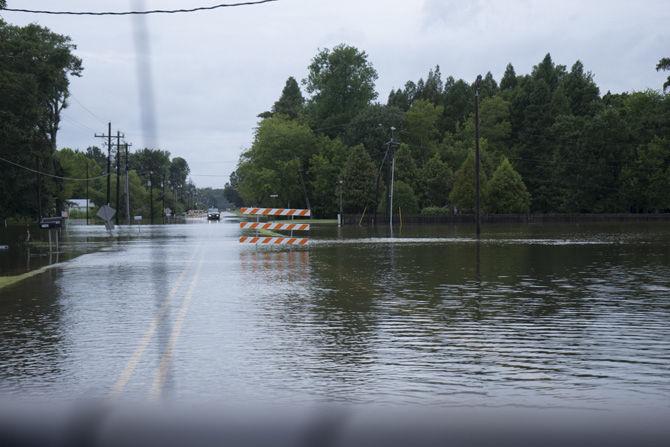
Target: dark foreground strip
<point>104,424</point>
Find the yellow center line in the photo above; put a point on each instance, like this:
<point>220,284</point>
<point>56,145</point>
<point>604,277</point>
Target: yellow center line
<point>161,373</point>
<point>134,360</point>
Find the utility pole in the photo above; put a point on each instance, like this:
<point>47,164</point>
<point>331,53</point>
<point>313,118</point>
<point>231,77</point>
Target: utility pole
<point>163,186</point>
<point>118,174</point>
<point>38,183</point>
<point>477,158</point>
<point>87,196</point>
<point>119,135</point>
<point>151,197</point>
<point>391,150</point>
<point>109,158</point>
<point>127,188</point>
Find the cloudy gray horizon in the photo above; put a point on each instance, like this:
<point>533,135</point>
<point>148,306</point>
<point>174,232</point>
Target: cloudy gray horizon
<point>214,72</point>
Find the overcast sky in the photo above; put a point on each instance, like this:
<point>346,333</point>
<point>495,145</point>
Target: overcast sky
<point>213,72</point>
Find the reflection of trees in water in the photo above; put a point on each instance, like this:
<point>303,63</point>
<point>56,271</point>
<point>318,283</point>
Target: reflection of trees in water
<point>31,318</point>
<point>431,315</point>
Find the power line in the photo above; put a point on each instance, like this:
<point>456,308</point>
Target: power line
<point>74,121</point>
<point>128,13</point>
<point>87,110</point>
<point>46,174</point>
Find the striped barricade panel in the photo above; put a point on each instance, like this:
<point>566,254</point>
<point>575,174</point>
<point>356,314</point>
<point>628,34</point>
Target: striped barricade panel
<point>275,212</point>
<point>273,240</point>
<point>274,226</point>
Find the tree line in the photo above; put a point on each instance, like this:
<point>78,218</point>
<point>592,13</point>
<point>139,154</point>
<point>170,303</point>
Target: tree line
<point>551,142</point>
<point>36,66</point>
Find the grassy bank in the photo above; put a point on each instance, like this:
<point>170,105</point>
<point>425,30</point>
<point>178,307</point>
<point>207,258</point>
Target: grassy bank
<point>6,281</point>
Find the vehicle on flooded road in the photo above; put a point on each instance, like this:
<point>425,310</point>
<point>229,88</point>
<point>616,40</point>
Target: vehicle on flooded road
<point>213,214</point>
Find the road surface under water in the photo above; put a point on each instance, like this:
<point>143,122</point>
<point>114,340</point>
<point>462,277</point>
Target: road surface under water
<point>550,315</point>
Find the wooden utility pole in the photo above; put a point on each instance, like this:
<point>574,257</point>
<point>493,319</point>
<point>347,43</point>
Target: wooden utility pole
<point>88,200</point>
<point>163,186</point>
<point>151,196</point>
<point>477,159</point>
<point>118,175</point>
<point>38,183</point>
<point>109,159</point>
<point>127,188</point>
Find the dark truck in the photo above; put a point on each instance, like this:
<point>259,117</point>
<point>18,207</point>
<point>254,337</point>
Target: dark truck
<point>213,214</point>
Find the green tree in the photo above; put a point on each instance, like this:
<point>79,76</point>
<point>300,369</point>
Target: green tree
<point>231,191</point>
<point>505,192</point>
<point>325,172</point>
<point>432,89</point>
<point>459,100</point>
<point>151,164</point>
<point>291,101</point>
<point>403,98</point>
<point>177,174</point>
<point>421,128</point>
<point>35,67</point>
<point>404,199</point>
<point>463,193</point>
<point>96,154</point>
<point>664,64</point>
<point>365,129</point>
<point>488,86</point>
<point>342,83</point>
<point>646,181</point>
<point>495,125</point>
<point>281,147</point>
<point>437,181</point>
<point>582,93</point>
<point>508,81</point>
<point>405,167</point>
<point>358,176</point>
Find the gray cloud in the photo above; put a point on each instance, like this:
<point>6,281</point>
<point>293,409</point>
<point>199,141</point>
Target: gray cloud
<point>214,72</point>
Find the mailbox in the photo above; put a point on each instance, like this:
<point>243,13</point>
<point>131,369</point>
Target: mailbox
<point>48,223</point>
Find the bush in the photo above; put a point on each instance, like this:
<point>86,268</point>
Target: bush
<point>431,211</point>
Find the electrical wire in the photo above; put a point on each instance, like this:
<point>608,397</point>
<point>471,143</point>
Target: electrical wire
<point>152,11</point>
<point>73,121</point>
<point>87,109</point>
<point>46,174</point>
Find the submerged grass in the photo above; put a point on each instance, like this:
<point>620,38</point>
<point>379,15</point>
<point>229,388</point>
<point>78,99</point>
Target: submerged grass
<point>6,281</point>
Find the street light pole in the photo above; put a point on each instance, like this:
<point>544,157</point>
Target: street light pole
<point>477,159</point>
<point>341,215</point>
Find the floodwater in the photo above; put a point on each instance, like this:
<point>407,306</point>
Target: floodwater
<point>571,316</point>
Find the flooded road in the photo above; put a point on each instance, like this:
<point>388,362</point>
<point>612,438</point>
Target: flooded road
<point>552,315</point>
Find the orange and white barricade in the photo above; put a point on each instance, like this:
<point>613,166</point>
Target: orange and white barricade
<point>287,212</point>
<point>257,226</point>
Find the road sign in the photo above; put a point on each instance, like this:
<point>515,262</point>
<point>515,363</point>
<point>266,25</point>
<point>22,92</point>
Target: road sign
<point>137,218</point>
<point>106,213</point>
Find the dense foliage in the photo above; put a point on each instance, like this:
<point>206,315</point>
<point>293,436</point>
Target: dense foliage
<point>550,143</point>
<point>35,70</point>
<point>35,66</point>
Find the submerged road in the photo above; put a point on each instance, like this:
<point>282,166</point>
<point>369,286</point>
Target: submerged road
<point>557,316</point>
